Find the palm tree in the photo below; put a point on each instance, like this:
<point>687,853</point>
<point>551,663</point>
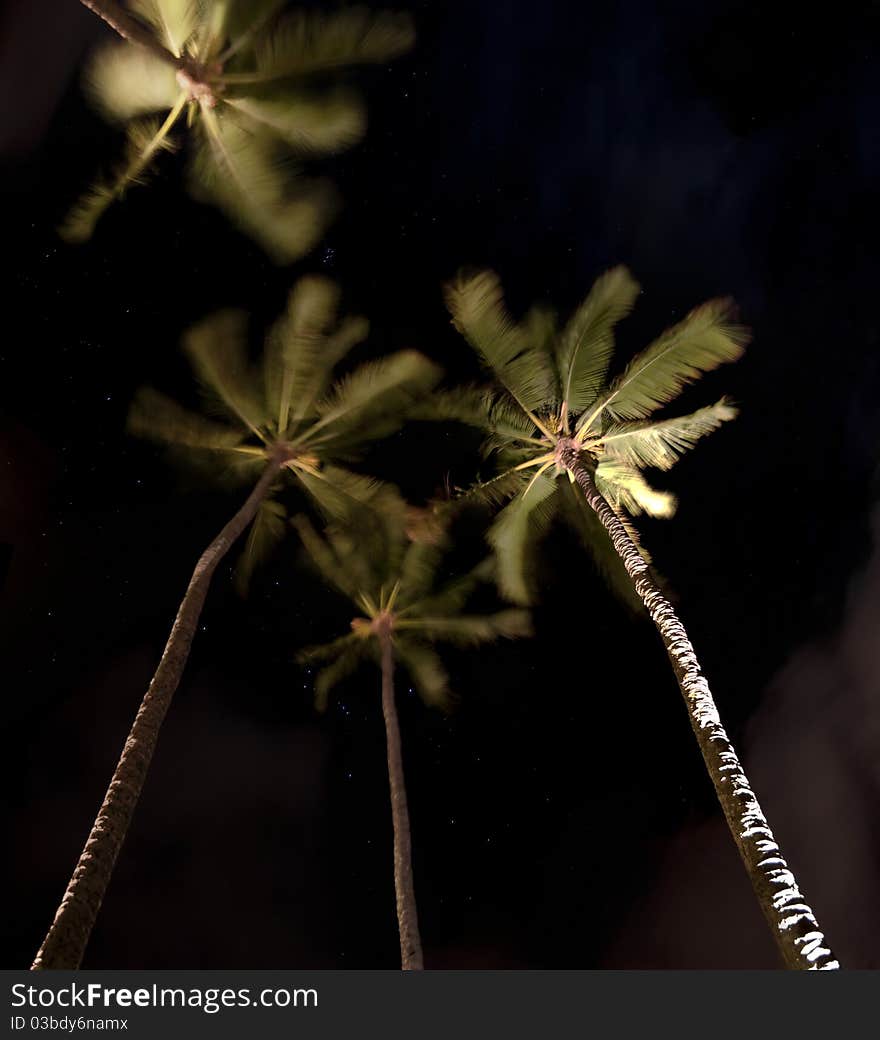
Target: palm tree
<point>254,90</point>
<point>285,419</point>
<point>402,611</point>
<point>568,439</point>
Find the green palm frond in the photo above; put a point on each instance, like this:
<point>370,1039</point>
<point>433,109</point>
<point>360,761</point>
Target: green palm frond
<point>344,497</point>
<point>144,141</point>
<point>266,533</point>
<point>586,344</point>
<point>374,399</point>
<point>426,670</point>
<point>217,349</point>
<point>540,328</point>
<point>312,124</point>
<point>418,570</point>
<point>303,347</point>
<point>496,491</point>
<point>125,82</point>
<point>174,21</point>
<point>158,418</point>
<point>250,179</point>
<point>240,20</point>
<point>705,339</point>
<point>627,490</point>
<point>325,558</point>
<point>304,43</point>
<point>593,536</point>
<point>661,444</point>
<point>451,598</point>
<point>476,304</point>
<point>514,533</point>
<point>344,656</point>
<point>470,630</point>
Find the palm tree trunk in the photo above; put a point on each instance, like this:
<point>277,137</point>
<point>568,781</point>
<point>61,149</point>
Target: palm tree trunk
<point>66,940</point>
<point>791,920</point>
<point>129,28</point>
<point>407,917</point>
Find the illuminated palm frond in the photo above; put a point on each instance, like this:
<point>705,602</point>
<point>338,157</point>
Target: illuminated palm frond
<point>145,140</point>
<point>515,532</point>
<point>584,349</point>
<point>704,340</point>
<point>661,444</point>
<point>477,306</point>
<point>304,43</point>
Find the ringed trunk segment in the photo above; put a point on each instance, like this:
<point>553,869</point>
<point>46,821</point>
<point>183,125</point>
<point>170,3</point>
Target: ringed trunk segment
<point>75,918</point>
<point>794,926</point>
<point>407,916</point>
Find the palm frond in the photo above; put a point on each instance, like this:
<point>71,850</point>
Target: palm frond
<point>706,338</point>
<point>325,559</point>
<point>586,344</point>
<point>125,81</point>
<point>476,304</point>
<point>496,491</point>
<point>144,141</point>
<point>418,570</point>
<point>174,21</point>
<point>470,630</point>
<point>342,497</point>
<point>243,172</point>
<point>344,655</point>
<point>627,490</point>
<point>302,350</point>
<point>373,400</point>
<point>217,349</point>
<point>241,20</point>
<point>514,533</point>
<point>426,670</point>
<point>266,533</point>
<point>595,539</point>
<point>311,124</point>
<point>307,42</point>
<point>451,597</point>
<point>156,417</point>
<point>661,444</point>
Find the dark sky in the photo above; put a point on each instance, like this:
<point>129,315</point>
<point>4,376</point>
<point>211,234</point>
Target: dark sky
<point>561,816</point>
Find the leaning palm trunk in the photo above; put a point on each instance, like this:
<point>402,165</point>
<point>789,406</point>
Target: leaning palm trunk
<point>791,920</point>
<point>407,918</point>
<point>66,940</point>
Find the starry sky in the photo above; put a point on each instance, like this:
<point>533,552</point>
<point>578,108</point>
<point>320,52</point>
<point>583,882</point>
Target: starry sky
<point>561,816</point>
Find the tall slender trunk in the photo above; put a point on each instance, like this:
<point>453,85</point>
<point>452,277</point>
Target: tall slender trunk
<point>66,940</point>
<point>407,917</point>
<point>129,28</point>
<point>791,920</point>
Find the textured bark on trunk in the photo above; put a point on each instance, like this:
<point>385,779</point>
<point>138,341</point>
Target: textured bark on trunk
<point>792,922</point>
<point>66,940</point>
<point>129,28</point>
<point>407,918</point>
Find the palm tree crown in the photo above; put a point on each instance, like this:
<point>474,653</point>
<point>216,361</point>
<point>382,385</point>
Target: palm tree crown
<point>552,391</point>
<point>255,90</point>
<point>288,411</point>
<point>392,581</point>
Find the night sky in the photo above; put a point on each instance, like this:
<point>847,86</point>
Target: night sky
<point>561,815</point>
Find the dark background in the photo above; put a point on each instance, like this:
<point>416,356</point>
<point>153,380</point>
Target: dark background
<point>561,816</point>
